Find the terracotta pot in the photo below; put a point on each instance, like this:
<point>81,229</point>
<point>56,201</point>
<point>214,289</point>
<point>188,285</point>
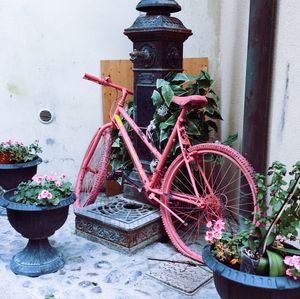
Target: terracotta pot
<point>36,223</point>
<point>5,158</point>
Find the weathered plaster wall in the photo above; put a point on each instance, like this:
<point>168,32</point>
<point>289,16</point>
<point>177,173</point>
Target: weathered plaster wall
<point>284,138</point>
<point>46,47</point>
<point>233,57</point>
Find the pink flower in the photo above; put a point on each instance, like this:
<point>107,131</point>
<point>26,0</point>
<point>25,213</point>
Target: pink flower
<point>58,184</point>
<point>49,178</point>
<point>280,238</point>
<point>38,179</point>
<point>45,194</point>
<point>209,224</point>
<point>219,225</point>
<point>217,235</point>
<point>8,142</point>
<point>49,195</point>
<point>288,272</point>
<point>288,260</point>
<point>209,237</point>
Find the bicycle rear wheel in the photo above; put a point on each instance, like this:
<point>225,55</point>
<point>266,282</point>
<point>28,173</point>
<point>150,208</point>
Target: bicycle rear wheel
<point>93,170</point>
<point>226,188</point>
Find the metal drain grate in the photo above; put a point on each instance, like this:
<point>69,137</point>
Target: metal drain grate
<point>119,223</point>
<point>124,210</point>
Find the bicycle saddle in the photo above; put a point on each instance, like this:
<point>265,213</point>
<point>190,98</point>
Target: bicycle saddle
<point>194,100</point>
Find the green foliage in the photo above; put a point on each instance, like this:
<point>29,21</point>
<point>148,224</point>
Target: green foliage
<point>199,123</point>
<point>18,152</point>
<point>119,157</point>
<point>276,223</point>
<point>50,296</point>
<point>278,190</point>
<point>43,190</point>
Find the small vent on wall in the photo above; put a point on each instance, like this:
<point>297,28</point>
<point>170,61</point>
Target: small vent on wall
<point>45,116</point>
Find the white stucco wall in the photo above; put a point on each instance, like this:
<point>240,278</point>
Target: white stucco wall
<point>233,59</point>
<point>46,47</point>
<point>284,138</point>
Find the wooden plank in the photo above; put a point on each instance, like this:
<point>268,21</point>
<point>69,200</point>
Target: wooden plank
<point>121,73</point>
<point>194,65</point>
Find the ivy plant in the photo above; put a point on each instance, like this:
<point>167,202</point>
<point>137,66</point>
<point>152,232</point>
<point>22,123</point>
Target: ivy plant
<point>200,123</point>
<point>119,157</point>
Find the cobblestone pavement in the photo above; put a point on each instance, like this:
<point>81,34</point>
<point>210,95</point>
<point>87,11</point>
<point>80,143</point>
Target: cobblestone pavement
<point>91,270</point>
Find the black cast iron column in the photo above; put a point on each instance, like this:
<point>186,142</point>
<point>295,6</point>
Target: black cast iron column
<point>157,50</point>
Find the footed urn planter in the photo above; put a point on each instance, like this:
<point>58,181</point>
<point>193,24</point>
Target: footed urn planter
<point>234,284</point>
<point>36,223</point>
<point>11,174</point>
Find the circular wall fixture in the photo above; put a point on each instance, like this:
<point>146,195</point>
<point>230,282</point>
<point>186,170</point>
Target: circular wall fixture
<point>46,116</point>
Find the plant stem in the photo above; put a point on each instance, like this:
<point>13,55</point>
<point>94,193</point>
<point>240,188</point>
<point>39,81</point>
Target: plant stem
<point>263,245</point>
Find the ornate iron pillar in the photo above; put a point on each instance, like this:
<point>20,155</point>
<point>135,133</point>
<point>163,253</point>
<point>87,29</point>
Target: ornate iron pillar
<point>157,50</point>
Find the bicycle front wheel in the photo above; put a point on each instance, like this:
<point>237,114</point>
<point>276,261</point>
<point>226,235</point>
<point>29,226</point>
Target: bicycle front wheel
<point>224,185</point>
<point>93,170</point>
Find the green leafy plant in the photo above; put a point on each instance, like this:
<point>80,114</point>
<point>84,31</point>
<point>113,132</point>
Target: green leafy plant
<point>268,239</point>
<point>199,123</point>
<point>43,190</point>
<point>119,157</point>
<point>17,152</point>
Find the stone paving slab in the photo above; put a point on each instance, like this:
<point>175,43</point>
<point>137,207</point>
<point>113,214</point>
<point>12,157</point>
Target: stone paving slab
<point>181,275</point>
<point>91,270</point>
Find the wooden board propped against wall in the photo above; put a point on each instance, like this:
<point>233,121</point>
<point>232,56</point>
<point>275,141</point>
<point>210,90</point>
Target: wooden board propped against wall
<point>121,73</point>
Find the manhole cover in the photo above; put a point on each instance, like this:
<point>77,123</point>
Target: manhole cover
<point>183,277</point>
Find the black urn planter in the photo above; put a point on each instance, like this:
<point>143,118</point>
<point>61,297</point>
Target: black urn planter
<point>13,174</point>
<point>233,284</point>
<point>36,223</point>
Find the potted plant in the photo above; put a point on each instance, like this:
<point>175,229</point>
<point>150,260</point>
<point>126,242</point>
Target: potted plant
<point>36,209</point>
<point>260,261</point>
<point>18,162</point>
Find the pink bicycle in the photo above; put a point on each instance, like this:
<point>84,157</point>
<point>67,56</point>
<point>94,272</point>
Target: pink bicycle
<point>205,182</point>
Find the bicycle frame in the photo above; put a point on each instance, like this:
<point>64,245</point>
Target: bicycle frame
<point>178,132</point>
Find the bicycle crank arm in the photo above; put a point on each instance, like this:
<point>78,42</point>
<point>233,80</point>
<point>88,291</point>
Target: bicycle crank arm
<point>152,196</point>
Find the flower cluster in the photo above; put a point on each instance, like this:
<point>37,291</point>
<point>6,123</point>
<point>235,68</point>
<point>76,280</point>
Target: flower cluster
<point>294,263</point>
<point>215,231</point>
<point>43,190</point>
<point>16,152</point>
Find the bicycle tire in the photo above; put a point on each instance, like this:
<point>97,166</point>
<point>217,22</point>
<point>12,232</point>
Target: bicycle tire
<point>222,204</point>
<point>93,170</point>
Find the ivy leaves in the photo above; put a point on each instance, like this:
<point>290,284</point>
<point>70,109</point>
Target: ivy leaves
<point>199,123</point>
<point>119,157</point>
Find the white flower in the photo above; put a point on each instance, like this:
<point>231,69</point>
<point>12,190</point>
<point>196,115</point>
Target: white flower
<point>153,165</point>
<point>162,110</point>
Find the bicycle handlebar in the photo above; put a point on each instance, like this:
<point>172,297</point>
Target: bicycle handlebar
<point>105,82</point>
